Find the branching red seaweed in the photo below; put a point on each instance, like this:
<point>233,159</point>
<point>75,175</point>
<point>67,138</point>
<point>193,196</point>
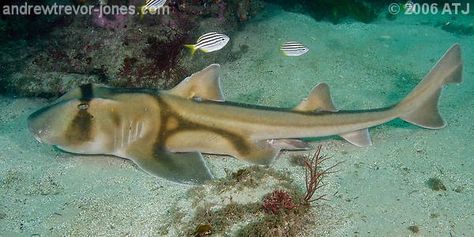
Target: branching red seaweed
<point>281,201</point>
<point>278,200</point>
<point>314,176</point>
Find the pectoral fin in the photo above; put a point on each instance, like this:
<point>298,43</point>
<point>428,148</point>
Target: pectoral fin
<point>359,138</point>
<point>186,167</point>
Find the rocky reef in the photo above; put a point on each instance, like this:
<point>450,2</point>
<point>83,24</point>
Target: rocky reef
<point>113,49</point>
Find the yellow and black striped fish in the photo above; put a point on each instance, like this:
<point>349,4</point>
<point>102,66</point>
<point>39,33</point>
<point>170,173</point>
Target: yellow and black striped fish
<point>209,42</point>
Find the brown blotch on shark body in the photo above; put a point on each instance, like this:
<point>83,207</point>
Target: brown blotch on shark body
<point>80,128</point>
<point>115,117</point>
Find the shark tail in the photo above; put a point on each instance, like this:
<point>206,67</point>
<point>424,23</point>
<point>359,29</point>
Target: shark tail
<point>420,107</point>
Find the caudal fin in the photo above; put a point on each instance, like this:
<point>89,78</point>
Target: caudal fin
<point>192,47</point>
<point>420,107</point>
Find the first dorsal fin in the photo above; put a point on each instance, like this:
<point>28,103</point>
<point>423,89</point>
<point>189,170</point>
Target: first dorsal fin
<point>204,84</point>
<point>318,100</point>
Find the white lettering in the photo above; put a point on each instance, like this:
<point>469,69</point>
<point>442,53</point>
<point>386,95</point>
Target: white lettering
<point>37,10</point>
<point>6,10</point>
<point>456,6</point>
<point>57,9</point>
<point>68,10</point>
<point>446,9</point>
<point>24,9</point>
<point>467,10</point>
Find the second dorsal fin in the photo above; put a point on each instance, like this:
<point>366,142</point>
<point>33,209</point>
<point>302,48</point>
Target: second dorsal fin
<point>318,100</point>
<point>204,84</point>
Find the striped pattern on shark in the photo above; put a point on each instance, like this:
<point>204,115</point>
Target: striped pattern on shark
<point>165,132</point>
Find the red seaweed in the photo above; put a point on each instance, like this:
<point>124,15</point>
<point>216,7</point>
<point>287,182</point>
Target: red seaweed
<point>278,200</point>
<point>314,176</point>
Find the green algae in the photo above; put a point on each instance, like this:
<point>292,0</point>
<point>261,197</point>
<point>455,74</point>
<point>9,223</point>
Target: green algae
<point>250,177</point>
<point>203,230</point>
<point>289,223</point>
<point>436,184</point>
<point>222,219</point>
<point>414,229</point>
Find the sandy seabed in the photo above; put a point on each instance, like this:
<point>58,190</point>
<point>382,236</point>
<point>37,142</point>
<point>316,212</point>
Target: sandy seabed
<point>380,190</point>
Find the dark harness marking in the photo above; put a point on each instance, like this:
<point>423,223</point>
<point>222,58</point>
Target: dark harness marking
<point>80,128</point>
<point>166,113</point>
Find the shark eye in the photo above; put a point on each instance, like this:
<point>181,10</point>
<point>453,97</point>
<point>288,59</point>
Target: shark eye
<point>83,106</point>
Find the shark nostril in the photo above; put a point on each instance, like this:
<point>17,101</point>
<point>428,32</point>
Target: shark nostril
<point>34,130</point>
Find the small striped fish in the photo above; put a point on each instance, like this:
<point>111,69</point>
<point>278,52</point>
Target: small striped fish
<point>209,42</point>
<point>293,49</point>
<point>153,5</point>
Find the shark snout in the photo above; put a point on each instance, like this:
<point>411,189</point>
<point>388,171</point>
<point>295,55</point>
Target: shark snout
<point>49,124</point>
<point>39,125</point>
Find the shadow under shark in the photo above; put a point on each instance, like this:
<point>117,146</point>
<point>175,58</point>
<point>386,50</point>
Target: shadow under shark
<point>165,132</point>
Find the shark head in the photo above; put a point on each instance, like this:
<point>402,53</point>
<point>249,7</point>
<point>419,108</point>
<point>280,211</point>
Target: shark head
<point>76,122</point>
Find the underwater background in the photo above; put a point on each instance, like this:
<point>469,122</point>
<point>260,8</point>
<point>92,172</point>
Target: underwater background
<point>410,182</point>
